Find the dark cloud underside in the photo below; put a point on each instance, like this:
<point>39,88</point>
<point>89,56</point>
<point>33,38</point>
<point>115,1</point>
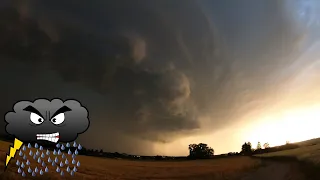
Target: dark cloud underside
<point>148,71</point>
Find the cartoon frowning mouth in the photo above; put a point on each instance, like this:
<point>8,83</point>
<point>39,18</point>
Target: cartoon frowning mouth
<point>53,137</point>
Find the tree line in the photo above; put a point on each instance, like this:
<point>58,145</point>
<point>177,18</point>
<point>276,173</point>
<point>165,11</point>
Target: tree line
<point>247,148</point>
<point>196,151</point>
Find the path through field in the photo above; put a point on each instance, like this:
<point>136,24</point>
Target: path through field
<point>272,170</point>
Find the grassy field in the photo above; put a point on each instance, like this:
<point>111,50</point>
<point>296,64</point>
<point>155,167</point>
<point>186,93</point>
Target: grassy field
<point>111,169</point>
<point>307,156</point>
<point>309,151</point>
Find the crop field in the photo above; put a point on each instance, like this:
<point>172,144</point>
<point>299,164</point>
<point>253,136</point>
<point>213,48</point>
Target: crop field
<point>309,151</point>
<point>103,168</point>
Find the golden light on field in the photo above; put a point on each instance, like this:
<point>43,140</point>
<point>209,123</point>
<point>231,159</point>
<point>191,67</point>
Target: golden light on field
<point>293,125</point>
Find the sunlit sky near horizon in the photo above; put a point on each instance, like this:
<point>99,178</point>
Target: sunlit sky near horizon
<point>159,75</point>
<point>295,116</point>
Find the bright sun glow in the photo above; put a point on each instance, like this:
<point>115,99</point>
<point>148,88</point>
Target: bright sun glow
<point>294,126</point>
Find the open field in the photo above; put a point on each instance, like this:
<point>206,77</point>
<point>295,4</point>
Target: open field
<point>309,151</point>
<point>307,156</point>
<point>100,168</point>
<point>232,168</point>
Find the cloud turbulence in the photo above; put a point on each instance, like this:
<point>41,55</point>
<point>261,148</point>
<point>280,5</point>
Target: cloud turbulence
<point>148,71</point>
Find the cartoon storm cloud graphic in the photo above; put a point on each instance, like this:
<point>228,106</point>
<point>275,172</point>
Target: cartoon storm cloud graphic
<point>45,120</point>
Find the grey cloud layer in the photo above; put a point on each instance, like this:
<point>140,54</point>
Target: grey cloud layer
<point>148,70</point>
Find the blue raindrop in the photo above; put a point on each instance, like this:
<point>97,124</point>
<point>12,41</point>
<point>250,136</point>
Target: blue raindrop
<point>49,160</point>
<point>68,169</point>
<point>34,157</point>
<point>30,153</point>
<point>19,170</point>
<point>24,148</point>
<point>41,148</point>
<point>73,156</point>
<point>24,157</point>
<point>66,161</point>
<point>79,147</point>
<point>23,174</point>
<point>43,164</point>
<point>29,145</point>
<point>74,169</point>
<point>37,153</point>
<point>58,169</point>
<point>54,152</point>
<point>48,152</point>
<point>58,145</point>
<point>29,170</point>
<point>62,173</point>
<point>59,152</point>
<point>68,145</point>
<point>18,163</point>
<point>36,170</point>
<point>41,172</point>
<point>46,169</point>
<point>42,155</point>
<point>22,165</point>
<point>53,163</point>
<point>20,153</point>
<point>78,163</point>
<point>72,173</point>
<point>28,162</point>
<point>62,147</point>
<point>73,161</point>
<point>61,164</point>
<point>39,160</point>
<point>69,152</point>
<point>56,160</point>
<point>33,174</point>
<point>36,145</point>
<point>76,152</point>
<point>63,156</point>
<point>74,144</point>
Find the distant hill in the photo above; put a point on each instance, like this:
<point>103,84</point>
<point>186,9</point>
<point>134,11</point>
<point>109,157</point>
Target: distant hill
<point>309,142</point>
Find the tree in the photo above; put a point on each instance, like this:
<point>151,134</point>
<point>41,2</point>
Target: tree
<point>246,148</point>
<point>101,152</point>
<point>258,146</point>
<point>200,151</point>
<point>266,145</point>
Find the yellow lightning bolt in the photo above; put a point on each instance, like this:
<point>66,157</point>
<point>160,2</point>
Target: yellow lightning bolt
<point>12,151</point>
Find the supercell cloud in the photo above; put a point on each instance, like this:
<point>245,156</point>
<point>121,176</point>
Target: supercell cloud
<point>148,71</point>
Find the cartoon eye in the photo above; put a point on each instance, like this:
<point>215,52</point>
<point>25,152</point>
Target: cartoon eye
<point>58,119</point>
<point>36,119</point>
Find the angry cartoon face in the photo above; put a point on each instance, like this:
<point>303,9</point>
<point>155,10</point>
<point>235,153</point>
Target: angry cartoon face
<point>44,120</point>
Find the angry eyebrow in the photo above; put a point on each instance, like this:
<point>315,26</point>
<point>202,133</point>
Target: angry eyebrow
<point>61,110</point>
<point>33,110</point>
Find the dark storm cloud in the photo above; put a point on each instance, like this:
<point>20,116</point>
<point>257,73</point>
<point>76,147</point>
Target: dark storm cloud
<point>148,70</point>
<point>21,123</point>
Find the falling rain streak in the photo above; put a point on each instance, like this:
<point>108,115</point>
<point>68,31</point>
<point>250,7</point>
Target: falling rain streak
<point>61,159</point>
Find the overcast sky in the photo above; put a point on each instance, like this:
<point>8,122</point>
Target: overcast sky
<point>157,75</point>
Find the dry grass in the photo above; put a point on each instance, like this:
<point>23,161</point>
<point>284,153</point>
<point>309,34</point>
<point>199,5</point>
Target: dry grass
<point>310,153</point>
<point>307,156</point>
<point>111,169</point>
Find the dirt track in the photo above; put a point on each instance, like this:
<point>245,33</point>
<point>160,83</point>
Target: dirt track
<point>272,170</point>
